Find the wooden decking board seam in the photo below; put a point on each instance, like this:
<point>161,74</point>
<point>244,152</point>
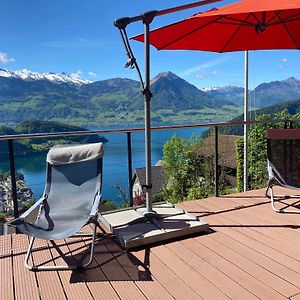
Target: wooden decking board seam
<point>208,285</point>
<point>12,266</point>
<point>173,292</point>
<point>75,260</point>
<point>272,236</point>
<point>253,247</point>
<point>262,216</point>
<point>43,256</point>
<point>117,258</point>
<point>225,275</point>
<point>102,272</point>
<point>62,244</point>
<point>25,288</point>
<point>267,269</point>
<point>7,282</point>
<point>290,285</point>
<point>267,257</point>
<point>254,281</point>
<point>111,281</point>
<point>59,277</point>
<point>246,257</point>
<point>236,220</point>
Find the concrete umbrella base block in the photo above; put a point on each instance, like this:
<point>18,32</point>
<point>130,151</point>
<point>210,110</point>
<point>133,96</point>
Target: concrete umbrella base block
<point>133,230</point>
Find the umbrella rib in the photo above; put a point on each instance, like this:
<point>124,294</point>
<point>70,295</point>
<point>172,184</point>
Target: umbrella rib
<point>238,21</point>
<point>189,33</point>
<point>289,33</point>
<point>286,20</point>
<point>276,15</point>
<point>233,35</point>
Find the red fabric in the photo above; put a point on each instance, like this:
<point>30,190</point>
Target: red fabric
<point>234,28</point>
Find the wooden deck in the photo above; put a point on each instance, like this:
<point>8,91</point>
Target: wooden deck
<point>250,253</point>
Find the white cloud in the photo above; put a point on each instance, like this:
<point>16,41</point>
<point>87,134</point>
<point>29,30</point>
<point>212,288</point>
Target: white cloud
<point>77,75</point>
<point>5,59</point>
<point>203,66</point>
<point>282,63</point>
<point>214,73</point>
<point>92,74</point>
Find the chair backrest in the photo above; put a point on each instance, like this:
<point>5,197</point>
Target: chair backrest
<point>74,177</point>
<point>283,153</point>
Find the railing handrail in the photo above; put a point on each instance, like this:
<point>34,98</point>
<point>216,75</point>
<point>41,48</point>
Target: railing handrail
<point>138,129</point>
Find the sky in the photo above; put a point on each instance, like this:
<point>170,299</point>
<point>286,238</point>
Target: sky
<point>78,37</point>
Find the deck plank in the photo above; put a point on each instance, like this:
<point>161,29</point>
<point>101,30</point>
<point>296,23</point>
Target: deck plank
<point>73,284</point>
<point>265,258</point>
<point>121,282</point>
<point>246,233</point>
<point>171,282</point>
<point>251,252</point>
<point>6,282</point>
<point>93,275</point>
<point>224,283</point>
<point>252,284</point>
<point>192,278</point>
<point>138,272</point>
<point>25,283</point>
<point>49,283</point>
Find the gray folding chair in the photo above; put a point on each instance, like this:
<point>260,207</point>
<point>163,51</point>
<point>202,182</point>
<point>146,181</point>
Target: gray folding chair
<point>70,200</point>
<point>283,155</point>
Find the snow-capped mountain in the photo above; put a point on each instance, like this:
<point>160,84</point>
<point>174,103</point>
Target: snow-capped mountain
<point>230,93</point>
<point>53,77</point>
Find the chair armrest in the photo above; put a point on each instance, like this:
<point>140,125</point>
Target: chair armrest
<point>97,200</point>
<point>32,208</point>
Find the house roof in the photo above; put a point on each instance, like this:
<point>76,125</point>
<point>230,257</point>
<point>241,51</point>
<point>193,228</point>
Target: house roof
<point>227,151</point>
<point>157,177</point>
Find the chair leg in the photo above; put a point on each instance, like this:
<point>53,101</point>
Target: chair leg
<point>61,267</point>
<point>280,210</point>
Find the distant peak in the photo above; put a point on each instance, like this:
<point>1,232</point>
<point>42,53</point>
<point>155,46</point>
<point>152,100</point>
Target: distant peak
<point>167,74</point>
<point>25,74</point>
<point>291,79</point>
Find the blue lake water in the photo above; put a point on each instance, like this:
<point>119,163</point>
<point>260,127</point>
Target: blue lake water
<point>115,168</point>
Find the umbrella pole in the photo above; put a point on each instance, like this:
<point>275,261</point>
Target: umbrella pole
<point>147,96</point>
<point>246,119</point>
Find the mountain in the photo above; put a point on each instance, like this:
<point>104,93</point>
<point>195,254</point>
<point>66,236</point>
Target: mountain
<point>172,92</point>
<point>263,95</point>
<point>230,93</point>
<point>53,77</point>
<point>277,91</point>
<point>26,95</point>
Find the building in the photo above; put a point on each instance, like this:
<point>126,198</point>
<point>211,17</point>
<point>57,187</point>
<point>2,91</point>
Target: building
<point>227,154</point>
<point>139,180</point>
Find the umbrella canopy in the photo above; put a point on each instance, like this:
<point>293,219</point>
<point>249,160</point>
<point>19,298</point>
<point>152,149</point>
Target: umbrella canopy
<point>245,25</point>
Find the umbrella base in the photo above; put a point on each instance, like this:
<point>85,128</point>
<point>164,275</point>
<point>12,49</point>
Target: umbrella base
<point>133,230</point>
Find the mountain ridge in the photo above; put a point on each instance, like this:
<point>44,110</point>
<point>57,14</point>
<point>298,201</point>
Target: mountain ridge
<point>119,100</point>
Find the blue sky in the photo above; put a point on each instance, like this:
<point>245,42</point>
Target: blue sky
<point>78,37</point>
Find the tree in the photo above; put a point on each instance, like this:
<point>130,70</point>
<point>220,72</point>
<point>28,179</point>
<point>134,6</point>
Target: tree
<point>176,167</point>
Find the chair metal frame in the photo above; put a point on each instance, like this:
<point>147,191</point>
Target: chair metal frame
<point>93,219</point>
<point>282,134</point>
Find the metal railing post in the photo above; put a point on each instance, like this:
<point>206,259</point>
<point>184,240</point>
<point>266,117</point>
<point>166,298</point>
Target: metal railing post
<point>129,160</point>
<point>216,162</point>
<point>13,177</point>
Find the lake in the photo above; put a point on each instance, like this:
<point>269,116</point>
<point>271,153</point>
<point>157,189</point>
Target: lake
<point>115,169</point>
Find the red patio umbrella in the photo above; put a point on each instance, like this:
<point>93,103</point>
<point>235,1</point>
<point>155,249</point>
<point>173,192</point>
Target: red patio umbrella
<point>245,25</point>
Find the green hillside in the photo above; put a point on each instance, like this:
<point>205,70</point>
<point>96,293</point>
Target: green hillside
<point>290,107</point>
<point>108,102</point>
<point>32,146</point>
